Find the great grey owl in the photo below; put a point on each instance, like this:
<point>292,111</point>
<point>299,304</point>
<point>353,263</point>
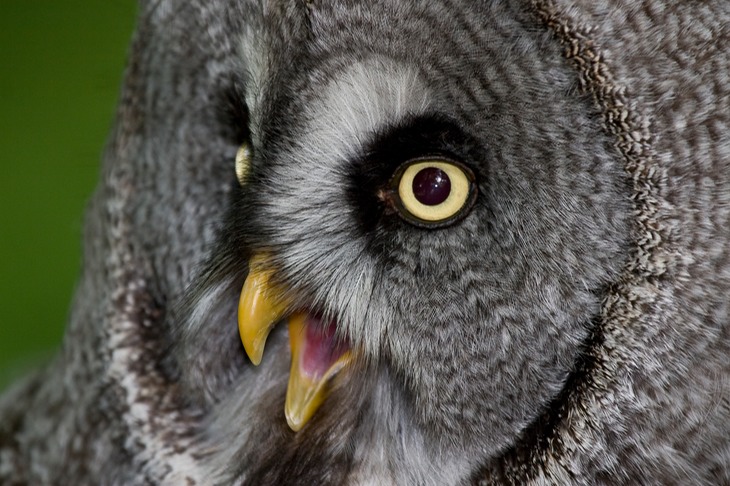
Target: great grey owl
<point>465,242</point>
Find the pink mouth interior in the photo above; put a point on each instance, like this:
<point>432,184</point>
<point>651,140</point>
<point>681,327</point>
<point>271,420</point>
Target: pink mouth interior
<point>321,347</point>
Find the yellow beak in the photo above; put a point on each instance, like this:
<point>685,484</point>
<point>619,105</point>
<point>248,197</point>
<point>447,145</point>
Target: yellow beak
<point>259,308</point>
<point>314,360</point>
<point>307,390</point>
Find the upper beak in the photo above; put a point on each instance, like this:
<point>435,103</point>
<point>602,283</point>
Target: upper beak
<point>259,308</point>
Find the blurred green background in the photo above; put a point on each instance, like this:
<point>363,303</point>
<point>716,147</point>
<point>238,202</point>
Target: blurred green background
<point>62,64</point>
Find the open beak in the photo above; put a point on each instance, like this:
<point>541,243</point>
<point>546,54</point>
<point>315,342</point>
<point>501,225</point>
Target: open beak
<point>317,355</point>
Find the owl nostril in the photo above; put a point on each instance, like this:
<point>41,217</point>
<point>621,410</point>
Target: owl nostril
<point>431,186</point>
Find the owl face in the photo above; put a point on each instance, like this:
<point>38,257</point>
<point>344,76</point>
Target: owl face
<point>436,219</point>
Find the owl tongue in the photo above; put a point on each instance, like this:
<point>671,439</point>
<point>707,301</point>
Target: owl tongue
<point>317,356</point>
<point>320,347</point>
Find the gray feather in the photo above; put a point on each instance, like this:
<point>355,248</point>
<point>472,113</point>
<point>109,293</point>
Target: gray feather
<point>572,328</point>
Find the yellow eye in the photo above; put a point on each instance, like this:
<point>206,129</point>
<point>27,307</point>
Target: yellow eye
<point>434,192</point>
<point>243,163</point>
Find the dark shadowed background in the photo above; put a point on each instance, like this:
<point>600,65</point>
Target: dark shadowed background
<point>62,63</point>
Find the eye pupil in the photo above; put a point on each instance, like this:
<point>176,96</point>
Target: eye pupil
<point>431,186</point>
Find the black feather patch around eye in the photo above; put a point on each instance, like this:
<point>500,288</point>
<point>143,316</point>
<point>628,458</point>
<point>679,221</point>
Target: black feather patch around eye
<point>233,111</point>
<point>423,137</point>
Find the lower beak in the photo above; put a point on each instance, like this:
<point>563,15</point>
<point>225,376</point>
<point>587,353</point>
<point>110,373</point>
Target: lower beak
<point>315,360</point>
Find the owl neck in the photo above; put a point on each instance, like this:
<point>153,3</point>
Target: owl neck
<point>364,435</point>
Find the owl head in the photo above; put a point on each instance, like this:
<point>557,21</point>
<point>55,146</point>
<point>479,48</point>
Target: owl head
<point>417,244</point>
